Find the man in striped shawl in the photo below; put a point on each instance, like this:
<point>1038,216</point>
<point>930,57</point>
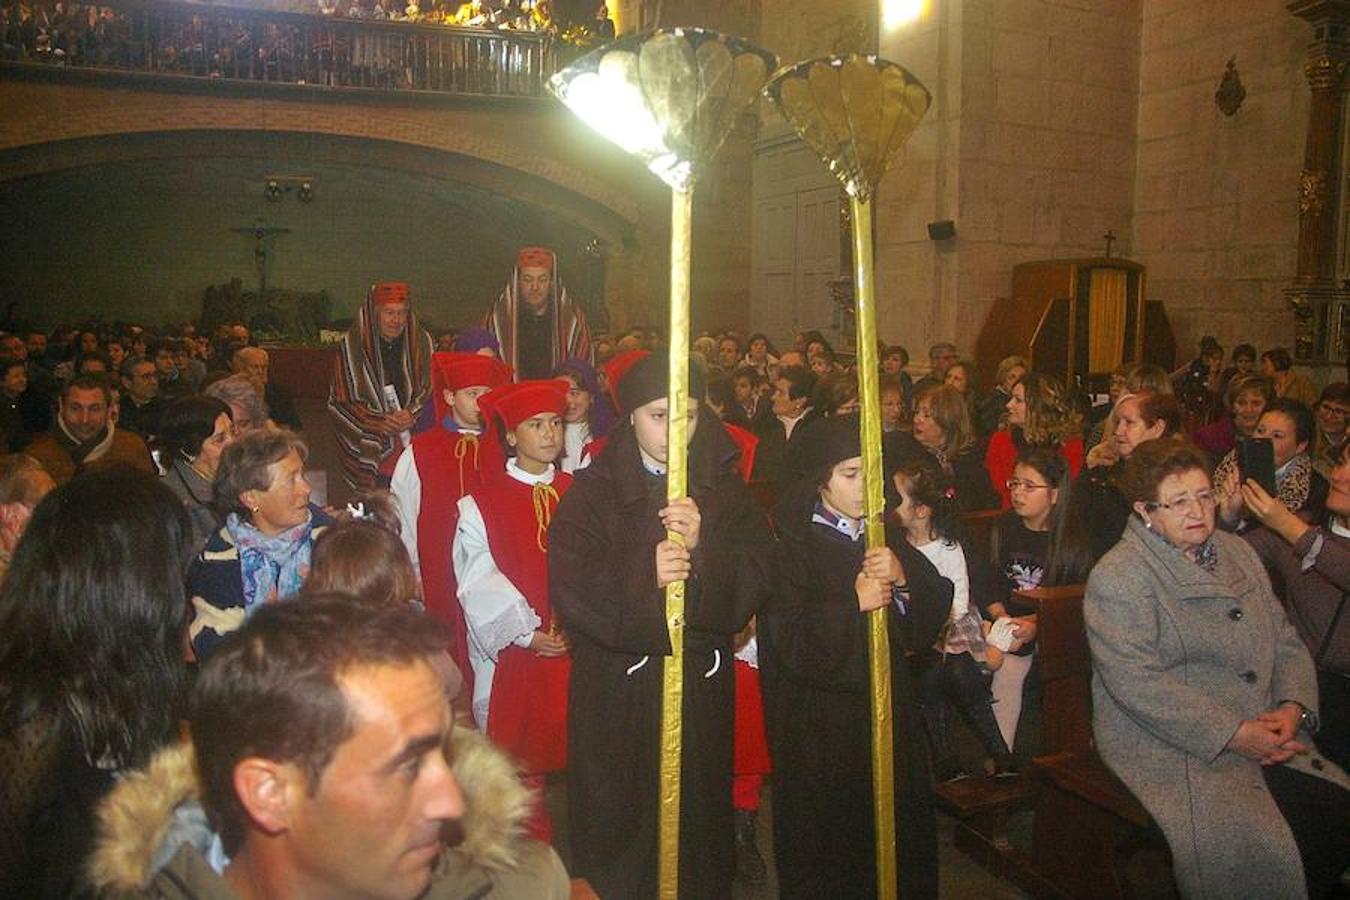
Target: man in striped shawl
<point>381,380</point>
<point>534,320</point>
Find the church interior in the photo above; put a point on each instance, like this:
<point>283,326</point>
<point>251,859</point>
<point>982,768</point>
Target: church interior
<point>1096,182</point>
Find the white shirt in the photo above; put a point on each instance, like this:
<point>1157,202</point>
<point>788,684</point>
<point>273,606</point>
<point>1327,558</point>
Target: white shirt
<point>790,423</point>
<point>496,613</point>
<point>950,561</point>
<point>406,486</point>
<point>575,436</point>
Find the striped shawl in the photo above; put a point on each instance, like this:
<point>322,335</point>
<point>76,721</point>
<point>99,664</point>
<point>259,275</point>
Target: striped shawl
<point>571,338</point>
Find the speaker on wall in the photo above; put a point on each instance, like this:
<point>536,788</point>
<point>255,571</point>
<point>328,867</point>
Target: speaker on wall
<point>941,231</point>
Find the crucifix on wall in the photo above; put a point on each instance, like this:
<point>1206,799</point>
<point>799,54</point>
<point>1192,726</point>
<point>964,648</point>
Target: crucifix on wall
<point>262,233</point>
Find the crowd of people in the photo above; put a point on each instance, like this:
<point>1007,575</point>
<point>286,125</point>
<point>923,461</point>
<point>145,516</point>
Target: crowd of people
<point>375,701</point>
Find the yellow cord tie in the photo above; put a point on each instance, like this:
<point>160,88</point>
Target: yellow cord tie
<point>462,450</point>
<point>545,499</point>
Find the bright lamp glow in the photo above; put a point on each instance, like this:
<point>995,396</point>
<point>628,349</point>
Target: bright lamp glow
<point>896,13</point>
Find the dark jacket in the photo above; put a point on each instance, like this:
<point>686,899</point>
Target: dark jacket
<point>817,697</point>
<point>215,580</point>
<point>602,580</point>
<point>974,490</point>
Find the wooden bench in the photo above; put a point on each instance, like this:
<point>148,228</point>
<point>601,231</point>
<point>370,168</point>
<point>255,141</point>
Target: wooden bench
<point>1091,837</point>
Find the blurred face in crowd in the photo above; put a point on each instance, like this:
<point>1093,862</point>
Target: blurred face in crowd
<point>13,346</point>
<point>892,409</point>
<point>1132,430</point>
<point>1032,498</point>
<point>744,388</point>
<point>165,364</point>
<point>1213,363</point>
<point>759,349</point>
<point>1017,405</point>
<point>1247,409</point>
<point>892,364</point>
<point>821,366</point>
<point>650,423</point>
<point>1338,499</point>
<point>1280,429</point>
<point>1015,375</point>
<point>815,348</point>
<point>783,402</point>
<point>578,402</point>
<point>791,358</point>
<point>958,377</point>
<point>1183,511</point>
<point>1267,367</point>
<point>942,359</point>
<point>843,493</point>
<point>15,380</point>
<point>728,354</point>
<point>535,282</point>
<point>538,441</point>
<point>1117,390</point>
<point>1331,417</point>
<point>143,382</point>
<point>138,345</point>
<point>221,436</point>
<point>371,826</point>
<point>117,352</point>
<point>393,318</point>
<point>927,431</point>
<point>253,362</point>
<point>84,412</point>
<point>464,405</point>
<point>285,503</point>
<point>36,344</point>
<point>1244,364</point>
<point>88,342</point>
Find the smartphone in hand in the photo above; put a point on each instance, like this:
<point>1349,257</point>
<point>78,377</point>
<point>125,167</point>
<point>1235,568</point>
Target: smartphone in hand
<point>1256,460</point>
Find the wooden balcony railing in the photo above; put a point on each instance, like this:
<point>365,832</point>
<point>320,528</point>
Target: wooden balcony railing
<point>190,40</point>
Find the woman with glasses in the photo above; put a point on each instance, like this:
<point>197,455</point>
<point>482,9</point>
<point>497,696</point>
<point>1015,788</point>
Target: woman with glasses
<point>1290,428</point>
<point>1204,697</point>
<point>943,433</point>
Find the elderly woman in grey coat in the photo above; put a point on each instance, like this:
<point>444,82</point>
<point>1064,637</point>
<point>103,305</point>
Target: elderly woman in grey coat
<point>1204,696</point>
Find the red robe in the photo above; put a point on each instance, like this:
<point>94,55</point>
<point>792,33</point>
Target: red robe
<point>449,466</point>
<point>527,709</point>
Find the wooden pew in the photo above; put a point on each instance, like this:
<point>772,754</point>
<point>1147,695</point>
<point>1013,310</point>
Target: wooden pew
<point>983,805</point>
<point>1091,837</point>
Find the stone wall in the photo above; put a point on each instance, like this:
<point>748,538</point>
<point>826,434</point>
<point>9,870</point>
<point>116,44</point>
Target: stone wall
<point>1216,207</point>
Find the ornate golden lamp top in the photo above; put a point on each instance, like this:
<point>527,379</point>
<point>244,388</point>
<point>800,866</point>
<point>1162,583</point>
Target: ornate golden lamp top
<point>854,111</point>
<point>668,97</point>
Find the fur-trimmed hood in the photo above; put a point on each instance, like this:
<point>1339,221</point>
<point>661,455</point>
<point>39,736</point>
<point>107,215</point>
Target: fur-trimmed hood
<point>152,813</point>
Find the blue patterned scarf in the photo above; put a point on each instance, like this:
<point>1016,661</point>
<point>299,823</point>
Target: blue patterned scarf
<point>271,565</point>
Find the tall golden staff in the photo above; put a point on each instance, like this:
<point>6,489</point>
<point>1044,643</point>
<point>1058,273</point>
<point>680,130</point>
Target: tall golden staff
<point>856,112</point>
<point>670,98</point>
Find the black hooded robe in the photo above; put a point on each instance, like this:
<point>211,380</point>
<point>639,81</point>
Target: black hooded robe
<point>602,577</point>
<point>817,698</point>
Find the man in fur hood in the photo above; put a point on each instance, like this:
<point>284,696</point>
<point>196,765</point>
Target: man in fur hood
<point>324,764</point>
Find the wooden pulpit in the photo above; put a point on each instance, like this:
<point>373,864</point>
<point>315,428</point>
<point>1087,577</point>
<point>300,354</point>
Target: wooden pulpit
<point>1076,319</point>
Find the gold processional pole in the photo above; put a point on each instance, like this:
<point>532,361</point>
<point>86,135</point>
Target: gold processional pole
<point>670,98</point>
<point>856,112</point>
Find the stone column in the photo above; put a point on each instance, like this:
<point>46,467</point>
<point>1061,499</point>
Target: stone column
<point>1314,294</point>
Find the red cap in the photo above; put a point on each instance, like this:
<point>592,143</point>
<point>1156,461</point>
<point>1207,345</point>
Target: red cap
<point>387,293</point>
<point>536,257</point>
<point>514,403</point>
<point>457,371</point>
<point>617,367</point>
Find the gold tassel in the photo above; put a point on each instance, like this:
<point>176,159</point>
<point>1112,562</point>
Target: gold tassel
<point>545,499</point>
<point>462,450</point>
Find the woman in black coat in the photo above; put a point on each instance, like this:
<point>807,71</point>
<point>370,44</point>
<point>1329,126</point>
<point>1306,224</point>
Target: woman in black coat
<point>814,653</point>
<point>943,432</point>
<point>608,560</point>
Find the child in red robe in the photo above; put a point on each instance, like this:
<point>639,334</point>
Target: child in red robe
<point>442,465</point>
<point>519,657</point>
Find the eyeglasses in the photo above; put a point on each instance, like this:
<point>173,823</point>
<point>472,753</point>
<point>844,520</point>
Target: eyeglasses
<point>1017,484</point>
<point>1183,505</point>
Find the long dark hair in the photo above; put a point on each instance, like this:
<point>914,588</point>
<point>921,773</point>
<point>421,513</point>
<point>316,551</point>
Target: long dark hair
<point>92,616</point>
<point>1070,556</point>
<point>928,483</point>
